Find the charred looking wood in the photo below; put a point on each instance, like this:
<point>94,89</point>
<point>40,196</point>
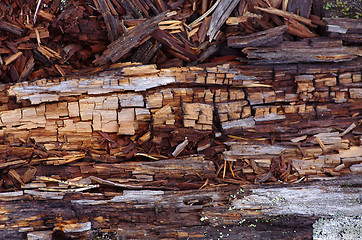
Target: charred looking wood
<point>146,52</point>
<point>130,8</point>
<point>38,56</point>
<point>110,17</point>
<point>9,27</point>
<point>172,43</point>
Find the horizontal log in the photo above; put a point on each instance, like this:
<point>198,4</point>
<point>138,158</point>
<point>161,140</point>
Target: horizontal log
<point>160,141</point>
<point>260,210</point>
<point>226,148</point>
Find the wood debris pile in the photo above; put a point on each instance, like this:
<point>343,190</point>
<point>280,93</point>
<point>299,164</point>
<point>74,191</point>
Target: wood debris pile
<point>46,38</point>
<point>168,107</point>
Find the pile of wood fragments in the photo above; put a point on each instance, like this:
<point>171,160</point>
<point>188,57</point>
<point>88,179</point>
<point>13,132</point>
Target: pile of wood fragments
<point>47,38</point>
<point>144,117</point>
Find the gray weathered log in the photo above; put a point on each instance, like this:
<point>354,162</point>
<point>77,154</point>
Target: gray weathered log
<point>304,51</point>
<point>281,211</point>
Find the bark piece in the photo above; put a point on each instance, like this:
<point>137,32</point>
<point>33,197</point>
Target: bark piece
<point>12,58</point>
<point>110,17</point>
<point>265,38</point>
<point>125,43</point>
<point>348,30</point>
<point>298,29</point>
<point>9,27</point>
<point>286,14</point>
<point>290,53</point>
<point>302,8</point>
<point>172,43</point>
<point>219,16</point>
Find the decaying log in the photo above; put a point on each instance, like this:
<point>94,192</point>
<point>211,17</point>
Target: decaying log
<point>307,109</point>
<point>170,153</point>
<point>284,212</point>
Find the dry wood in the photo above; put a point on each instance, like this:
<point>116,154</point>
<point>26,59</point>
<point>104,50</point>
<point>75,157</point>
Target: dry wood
<point>348,26</point>
<point>98,147</point>
<point>347,29</point>
<point>125,43</point>
<point>205,209</point>
<point>268,37</point>
<point>297,29</point>
<point>311,53</point>
<point>219,16</point>
<point>13,57</point>
<point>61,114</point>
<point>110,17</point>
<point>9,27</point>
<point>286,14</point>
<point>301,8</point>
<point>77,35</point>
<point>169,41</point>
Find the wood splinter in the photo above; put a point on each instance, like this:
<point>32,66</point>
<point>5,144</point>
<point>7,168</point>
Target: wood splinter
<point>321,144</point>
<point>180,147</point>
<point>350,128</point>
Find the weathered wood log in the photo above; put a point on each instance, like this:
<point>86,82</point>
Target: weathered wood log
<point>348,30</point>
<point>268,37</point>
<point>284,212</point>
<point>160,153</point>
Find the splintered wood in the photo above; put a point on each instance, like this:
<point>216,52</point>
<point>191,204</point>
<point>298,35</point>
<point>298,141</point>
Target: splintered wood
<point>158,111</point>
<point>311,113</point>
<point>108,141</point>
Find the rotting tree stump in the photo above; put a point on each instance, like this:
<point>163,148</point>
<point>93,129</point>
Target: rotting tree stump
<point>146,153</point>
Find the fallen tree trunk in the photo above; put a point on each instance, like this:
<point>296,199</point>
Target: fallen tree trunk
<point>149,152</point>
<point>268,212</point>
